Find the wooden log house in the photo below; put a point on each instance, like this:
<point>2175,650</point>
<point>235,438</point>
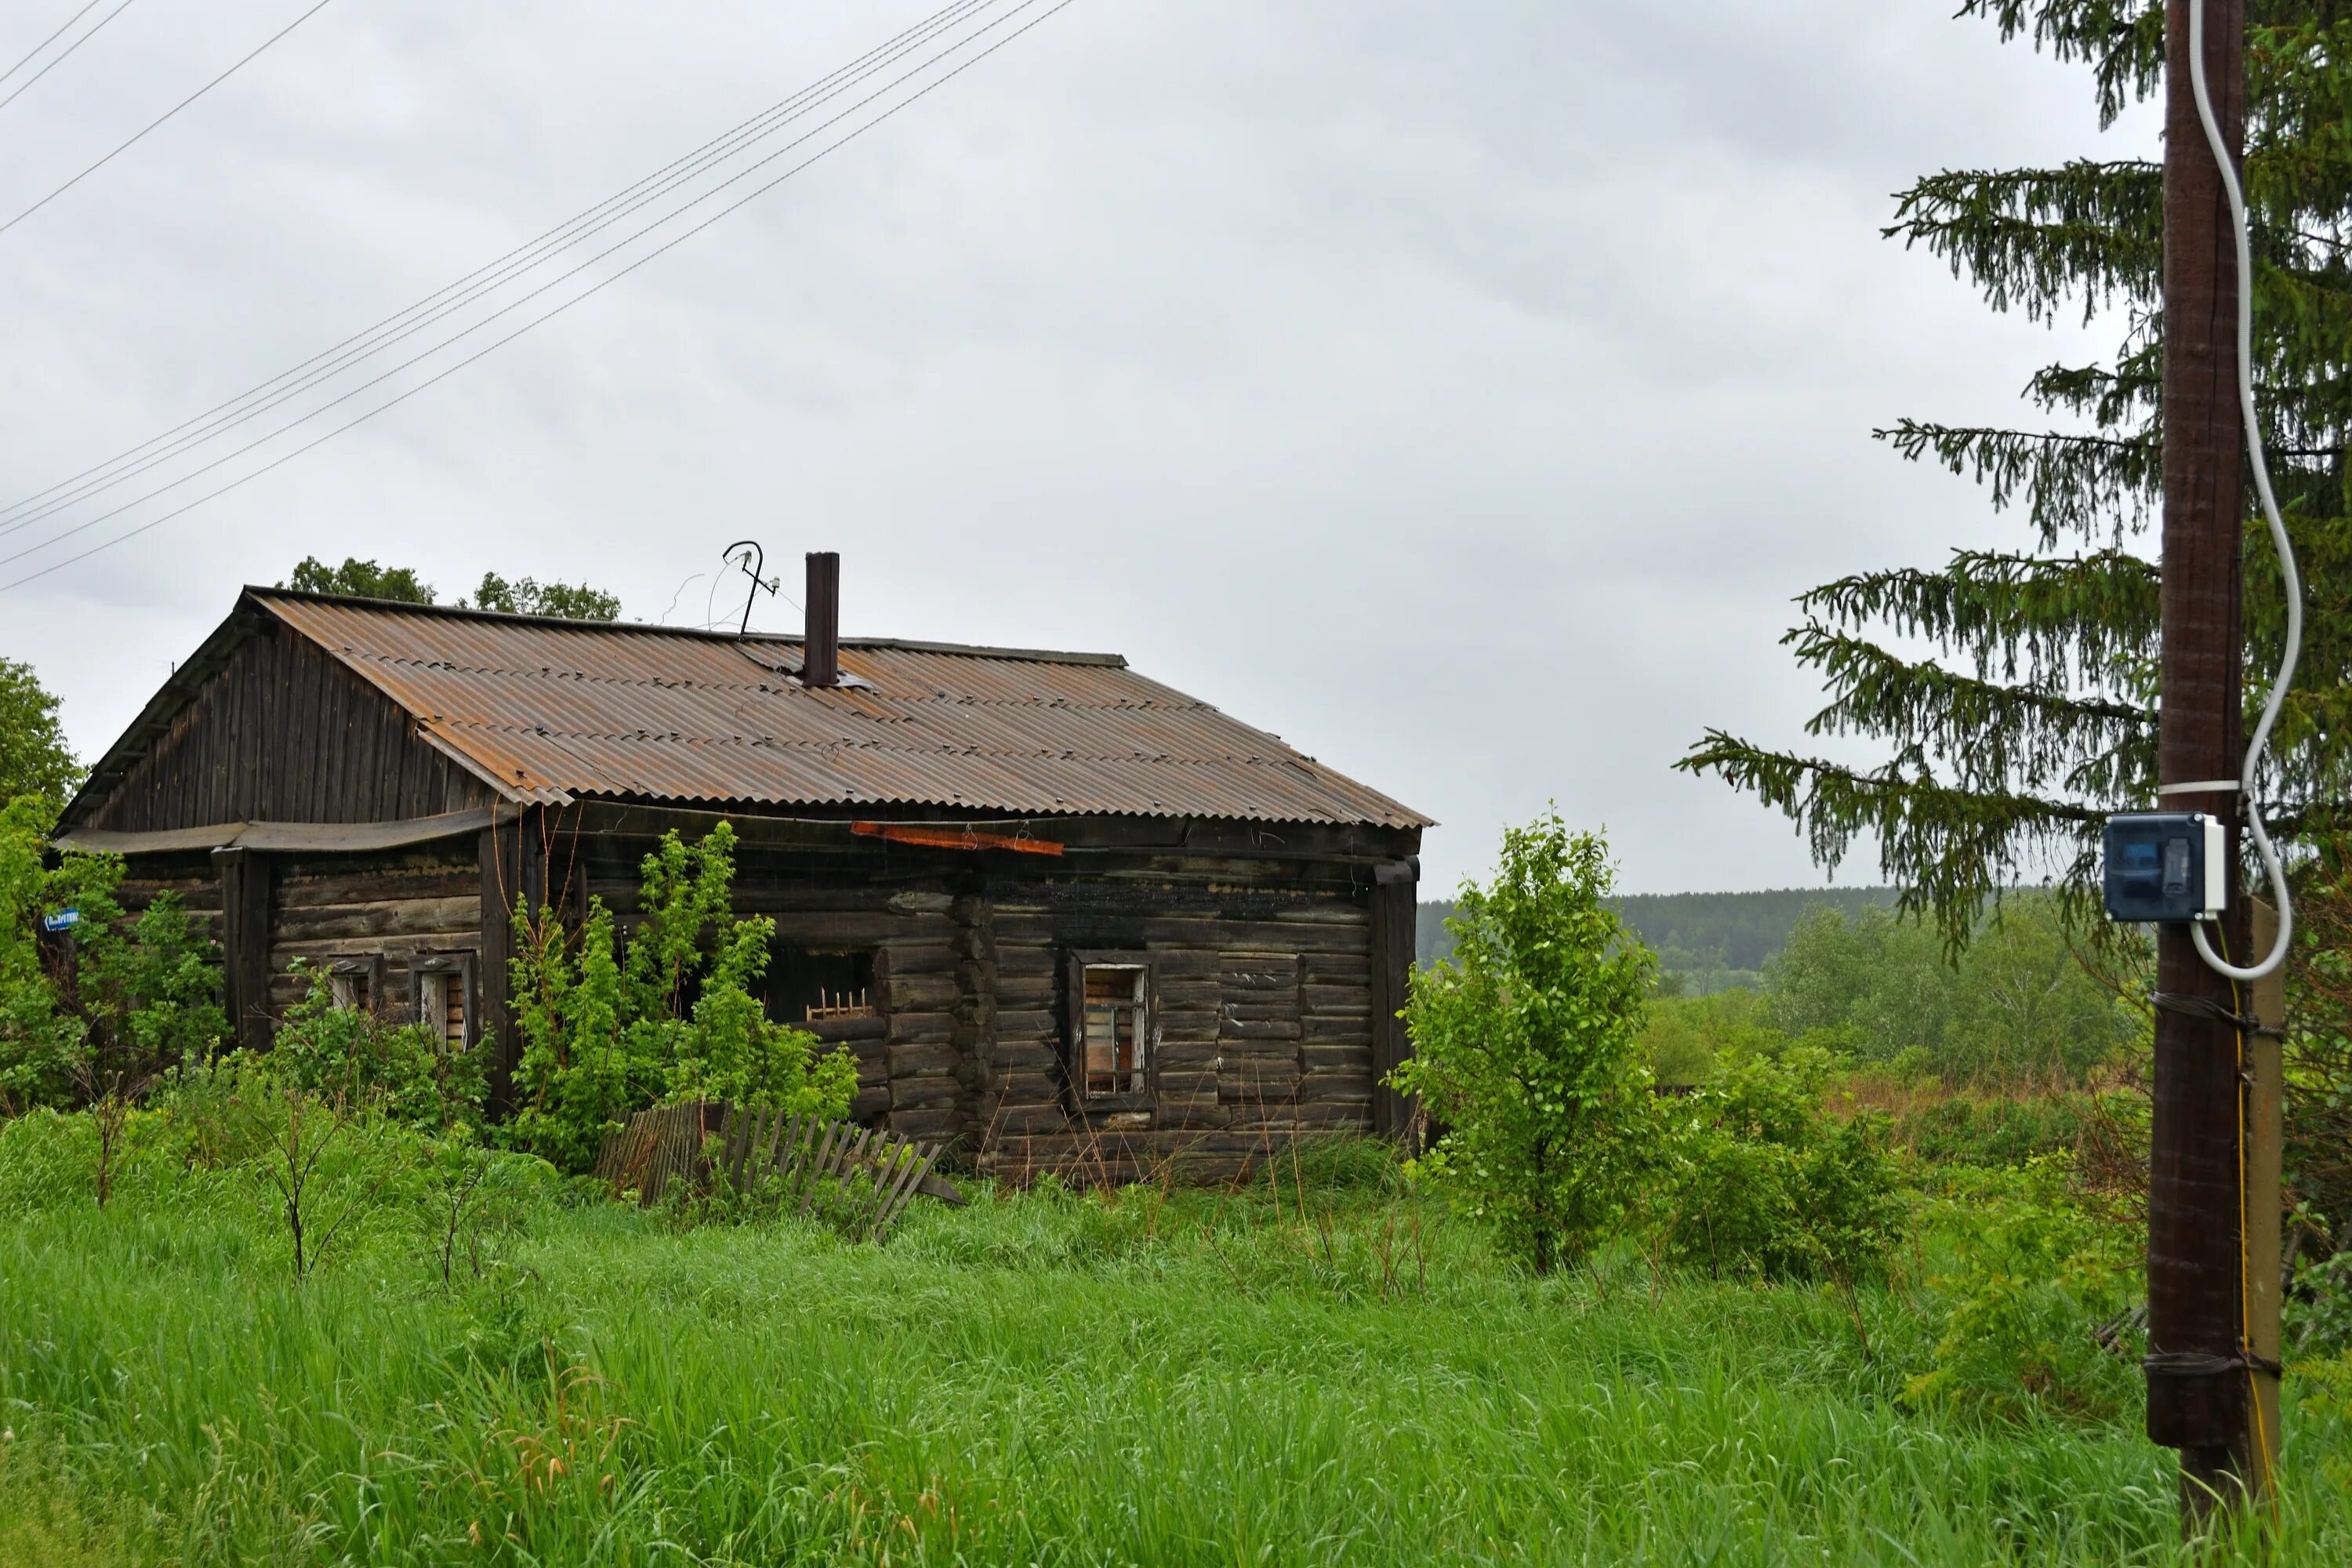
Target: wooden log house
<point>1064,915</point>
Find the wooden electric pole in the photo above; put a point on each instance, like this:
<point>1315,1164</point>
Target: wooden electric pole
<point>2197,1380</point>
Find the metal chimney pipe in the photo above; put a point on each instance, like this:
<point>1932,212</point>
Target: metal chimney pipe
<point>821,658</point>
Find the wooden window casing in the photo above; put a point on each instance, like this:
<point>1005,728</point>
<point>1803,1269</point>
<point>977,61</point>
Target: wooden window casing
<point>357,983</point>
<point>441,996</point>
<point>1114,1031</point>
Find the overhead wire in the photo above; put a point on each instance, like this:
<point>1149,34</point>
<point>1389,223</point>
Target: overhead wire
<point>475,285</point>
<point>88,6</point>
<point>517,304</point>
<point>62,54</point>
<point>667,245</point>
<point>167,114</point>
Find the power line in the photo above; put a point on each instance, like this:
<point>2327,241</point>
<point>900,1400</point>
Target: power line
<point>62,54</point>
<point>516,304</point>
<point>167,114</point>
<point>483,281</point>
<point>848,137</point>
<point>53,37</point>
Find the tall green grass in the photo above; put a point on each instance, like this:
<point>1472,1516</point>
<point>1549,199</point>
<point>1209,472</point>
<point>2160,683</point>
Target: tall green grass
<point>1327,1373</point>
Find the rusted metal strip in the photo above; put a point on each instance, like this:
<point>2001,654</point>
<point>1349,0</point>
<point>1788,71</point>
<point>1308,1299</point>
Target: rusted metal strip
<point>952,838</point>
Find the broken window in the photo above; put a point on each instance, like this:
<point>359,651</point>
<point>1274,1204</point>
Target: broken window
<point>816,985</point>
<point>440,993</point>
<point>354,983</point>
<point>1114,1035</point>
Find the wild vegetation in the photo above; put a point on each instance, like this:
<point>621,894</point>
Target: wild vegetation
<point>1861,1291</point>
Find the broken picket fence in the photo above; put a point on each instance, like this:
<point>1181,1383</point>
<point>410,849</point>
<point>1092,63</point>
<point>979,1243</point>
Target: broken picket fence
<point>786,1157</point>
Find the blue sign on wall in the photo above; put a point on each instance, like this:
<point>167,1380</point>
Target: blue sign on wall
<point>64,919</point>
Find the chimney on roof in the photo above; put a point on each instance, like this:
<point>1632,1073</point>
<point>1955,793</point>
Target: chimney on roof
<point>821,652</point>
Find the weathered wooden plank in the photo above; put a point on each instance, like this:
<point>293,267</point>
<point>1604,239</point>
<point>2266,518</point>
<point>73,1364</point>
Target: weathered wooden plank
<point>939,1123</point>
<point>391,917</point>
<point>1347,999</point>
<point>909,1061</point>
<point>922,1029</point>
<point>303,890</point>
<point>936,992</point>
<point>1260,1029</point>
<point>920,1093</point>
<point>1350,1059</point>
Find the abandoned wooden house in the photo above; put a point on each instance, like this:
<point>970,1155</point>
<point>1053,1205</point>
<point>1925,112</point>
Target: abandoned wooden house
<point>1062,914</point>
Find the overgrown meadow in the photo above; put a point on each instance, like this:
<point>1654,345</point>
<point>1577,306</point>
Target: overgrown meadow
<point>1326,1366</point>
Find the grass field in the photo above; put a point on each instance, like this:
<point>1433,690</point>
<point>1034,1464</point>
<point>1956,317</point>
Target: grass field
<point>1336,1375</point>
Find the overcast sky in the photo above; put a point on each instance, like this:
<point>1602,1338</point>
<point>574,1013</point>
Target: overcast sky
<point>1460,391</point>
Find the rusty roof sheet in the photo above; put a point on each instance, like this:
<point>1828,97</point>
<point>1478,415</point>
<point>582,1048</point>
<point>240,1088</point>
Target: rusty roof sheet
<point>549,710</point>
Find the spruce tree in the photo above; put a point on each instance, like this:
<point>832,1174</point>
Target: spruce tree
<point>2033,717</point>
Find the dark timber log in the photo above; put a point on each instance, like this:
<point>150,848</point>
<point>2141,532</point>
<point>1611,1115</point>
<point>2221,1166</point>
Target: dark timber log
<point>2196,1392</point>
<point>245,878</point>
<point>514,855</point>
<point>1393,917</point>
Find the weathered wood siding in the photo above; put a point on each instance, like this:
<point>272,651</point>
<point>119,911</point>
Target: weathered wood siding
<point>399,906</point>
<point>1261,1019</point>
<point>282,733</point>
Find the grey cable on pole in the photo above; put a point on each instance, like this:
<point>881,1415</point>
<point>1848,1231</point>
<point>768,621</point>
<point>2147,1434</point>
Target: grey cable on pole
<point>2292,578</point>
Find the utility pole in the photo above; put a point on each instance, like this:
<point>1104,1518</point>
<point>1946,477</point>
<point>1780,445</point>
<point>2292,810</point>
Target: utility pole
<point>2196,1380</point>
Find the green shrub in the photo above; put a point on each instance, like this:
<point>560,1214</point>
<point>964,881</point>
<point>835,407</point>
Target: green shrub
<point>2038,1273</point>
<point>134,997</point>
<point>610,1028</point>
<point>1764,1183</point>
<point>408,1071</point>
<point>1996,1130</point>
<point>1526,1048</point>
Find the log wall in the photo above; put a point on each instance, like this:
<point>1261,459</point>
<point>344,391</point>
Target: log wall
<point>394,907</point>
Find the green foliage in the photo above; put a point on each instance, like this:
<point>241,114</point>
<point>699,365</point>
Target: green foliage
<point>2032,717</point>
<point>1762,1182</point>
<point>407,1072</point>
<point>360,579</point>
<point>610,1028</point>
<point>2003,1130</point>
<point>1527,1049</point>
<point>1684,1035</point>
<point>568,601</point>
<point>1713,940</point>
<point>117,1001</point>
<point>1051,1377</point>
<point>2018,1007</point>
<point>34,757</point>
<point>2039,1273</point>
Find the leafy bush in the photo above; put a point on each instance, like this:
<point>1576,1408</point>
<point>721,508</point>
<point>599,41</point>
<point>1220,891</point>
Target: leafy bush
<point>1685,1034</point>
<point>408,1071</point>
<point>1764,1183</point>
<point>1527,1049</point>
<point>2017,1007</point>
<point>2040,1273</point>
<point>610,1028</point>
<point>117,1002</point>
<point>1996,1130</point>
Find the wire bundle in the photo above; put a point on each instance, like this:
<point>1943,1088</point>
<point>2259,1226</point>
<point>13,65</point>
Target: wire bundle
<point>527,284</point>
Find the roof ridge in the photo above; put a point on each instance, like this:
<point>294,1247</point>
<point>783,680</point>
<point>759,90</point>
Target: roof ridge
<point>699,634</point>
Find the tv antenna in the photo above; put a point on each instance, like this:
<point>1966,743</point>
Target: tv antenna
<point>753,561</point>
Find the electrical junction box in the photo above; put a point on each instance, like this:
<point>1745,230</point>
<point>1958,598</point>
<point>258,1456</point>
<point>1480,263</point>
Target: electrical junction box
<point>2171,868</point>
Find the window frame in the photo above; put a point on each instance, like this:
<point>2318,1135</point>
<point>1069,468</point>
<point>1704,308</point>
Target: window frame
<point>1076,962</point>
<point>368,969</point>
<point>460,965</point>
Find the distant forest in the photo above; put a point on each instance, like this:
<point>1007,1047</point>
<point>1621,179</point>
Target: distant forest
<point>1712,941</point>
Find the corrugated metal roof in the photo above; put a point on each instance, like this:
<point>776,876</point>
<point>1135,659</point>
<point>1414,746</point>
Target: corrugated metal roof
<point>546,710</point>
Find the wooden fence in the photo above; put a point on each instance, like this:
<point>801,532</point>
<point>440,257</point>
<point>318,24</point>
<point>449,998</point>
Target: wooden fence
<point>786,1156</point>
